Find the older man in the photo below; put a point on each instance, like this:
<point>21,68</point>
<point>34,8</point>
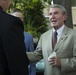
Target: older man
<point>57,46</point>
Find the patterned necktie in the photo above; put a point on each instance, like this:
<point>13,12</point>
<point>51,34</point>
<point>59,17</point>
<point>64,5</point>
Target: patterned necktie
<point>54,40</point>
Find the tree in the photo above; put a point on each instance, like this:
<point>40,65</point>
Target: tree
<point>34,20</point>
<point>68,6</point>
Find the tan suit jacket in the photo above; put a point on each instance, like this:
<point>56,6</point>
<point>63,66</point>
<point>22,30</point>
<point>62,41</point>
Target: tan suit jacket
<point>65,50</point>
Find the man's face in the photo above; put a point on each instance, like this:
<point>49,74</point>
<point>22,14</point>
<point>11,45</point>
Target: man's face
<point>56,17</point>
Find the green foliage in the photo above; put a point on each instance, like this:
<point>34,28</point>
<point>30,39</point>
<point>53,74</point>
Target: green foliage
<point>34,20</point>
<point>34,13</point>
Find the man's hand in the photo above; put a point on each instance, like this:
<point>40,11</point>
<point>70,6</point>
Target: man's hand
<point>55,61</point>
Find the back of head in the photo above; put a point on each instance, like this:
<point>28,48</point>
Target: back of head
<point>16,10</point>
<point>17,13</point>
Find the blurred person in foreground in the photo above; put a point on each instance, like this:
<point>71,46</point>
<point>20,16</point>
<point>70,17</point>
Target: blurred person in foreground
<point>28,40</point>
<point>61,58</point>
<point>13,58</point>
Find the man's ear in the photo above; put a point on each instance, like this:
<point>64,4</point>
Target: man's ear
<point>65,17</point>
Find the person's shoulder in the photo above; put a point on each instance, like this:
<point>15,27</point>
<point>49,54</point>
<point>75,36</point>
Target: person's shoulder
<point>7,21</point>
<point>27,34</point>
<point>11,17</point>
<point>70,29</point>
<point>6,17</point>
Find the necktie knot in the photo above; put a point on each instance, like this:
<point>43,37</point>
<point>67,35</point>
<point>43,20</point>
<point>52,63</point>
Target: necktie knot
<point>55,33</point>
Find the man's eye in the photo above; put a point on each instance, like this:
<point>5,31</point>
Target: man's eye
<point>50,13</point>
<point>56,13</point>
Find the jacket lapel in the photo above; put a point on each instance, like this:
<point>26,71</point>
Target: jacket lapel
<point>50,42</point>
<point>62,38</point>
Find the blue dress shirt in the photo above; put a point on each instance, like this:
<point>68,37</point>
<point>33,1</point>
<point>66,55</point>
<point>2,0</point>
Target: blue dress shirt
<point>28,40</point>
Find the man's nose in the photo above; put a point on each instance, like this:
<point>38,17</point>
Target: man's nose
<point>52,16</point>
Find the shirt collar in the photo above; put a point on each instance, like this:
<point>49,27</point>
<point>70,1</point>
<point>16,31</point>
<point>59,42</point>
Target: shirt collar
<point>59,31</point>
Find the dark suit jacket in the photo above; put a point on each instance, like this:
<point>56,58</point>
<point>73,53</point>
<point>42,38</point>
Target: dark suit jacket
<point>13,58</point>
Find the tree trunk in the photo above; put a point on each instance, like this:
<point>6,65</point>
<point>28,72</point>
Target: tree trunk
<point>67,4</point>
